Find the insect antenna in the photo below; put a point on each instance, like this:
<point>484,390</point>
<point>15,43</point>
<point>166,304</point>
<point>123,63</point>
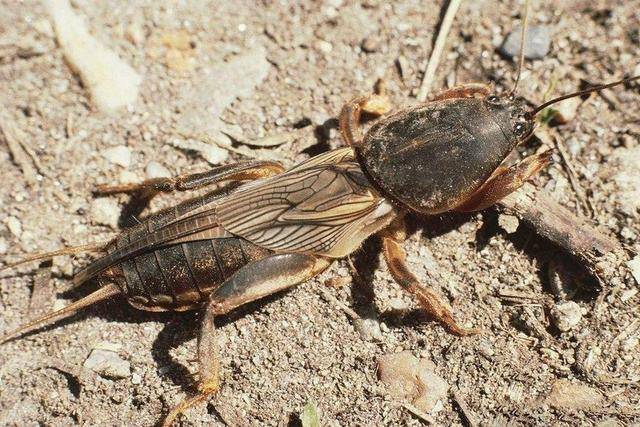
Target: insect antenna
<point>91,247</point>
<point>598,88</point>
<point>521,59</point>
<point>99,295</point>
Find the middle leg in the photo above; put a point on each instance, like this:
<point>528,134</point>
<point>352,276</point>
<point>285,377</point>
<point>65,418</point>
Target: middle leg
<point>432,303</point>
<point>377,104</point>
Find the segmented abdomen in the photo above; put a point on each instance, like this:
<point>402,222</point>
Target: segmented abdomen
<point>178,276</point>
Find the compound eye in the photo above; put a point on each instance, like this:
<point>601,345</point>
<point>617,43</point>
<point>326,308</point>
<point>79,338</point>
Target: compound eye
<point>493,99</point>
<point>520,129</point>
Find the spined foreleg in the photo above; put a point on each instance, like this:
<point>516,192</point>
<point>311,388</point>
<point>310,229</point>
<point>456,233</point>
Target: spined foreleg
<point>505,181</point>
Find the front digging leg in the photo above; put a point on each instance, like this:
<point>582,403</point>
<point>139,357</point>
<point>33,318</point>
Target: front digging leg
<point>505,181</point>
<point>252,282</point>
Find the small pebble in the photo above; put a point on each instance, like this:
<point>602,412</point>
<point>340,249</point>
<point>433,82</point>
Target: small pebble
<point>370,44</point>
<point>156,170</point>
<point>15,226</point>
<point>105,211</point>
<point>412,379</point>
<point>119,155</point>
<point>626,295</point>
<point>136,379</point>
<point>566,315</point>
<point>107,364</point>
<point>634,266</point>
<point>324,46</point>
<point>369,329</point>
<point>627,179</point>
<point>128,177</point>
<point>4,247</point>
<point>508,223</point>
<point>486,349</point>
<point>211,153</point>
<point>536,46</point>
<point>64,265</point>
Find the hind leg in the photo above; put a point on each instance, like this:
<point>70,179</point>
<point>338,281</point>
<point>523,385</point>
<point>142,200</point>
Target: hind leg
<point>250,283</point>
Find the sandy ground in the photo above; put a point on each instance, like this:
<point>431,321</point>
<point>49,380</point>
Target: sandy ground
<point>302,346</point>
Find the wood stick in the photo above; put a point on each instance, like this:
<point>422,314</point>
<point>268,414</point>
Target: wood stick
<point>600,254</point>
<point>438,48</point>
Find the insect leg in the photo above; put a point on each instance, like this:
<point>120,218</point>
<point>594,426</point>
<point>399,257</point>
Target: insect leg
<point>431,302</point>
<point>376,104</point>
<point>505,181</point>
<point>469,90</point>
<point>252,282</point>
<point>233,172</point>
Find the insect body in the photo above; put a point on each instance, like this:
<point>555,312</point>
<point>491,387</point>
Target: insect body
<point>271,229</point>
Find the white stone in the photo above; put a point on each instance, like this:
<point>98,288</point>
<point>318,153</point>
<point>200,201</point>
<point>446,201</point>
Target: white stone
<point>111,81</point>
<point>119,155</point>
<point>105,211</point>
<point>136,379</point>
<point>14,225</point>
<point>508,223</point>
<point>107,364</point>
<point>634,266</point>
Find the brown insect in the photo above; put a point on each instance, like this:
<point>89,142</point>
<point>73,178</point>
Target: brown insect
<point>271,228</point>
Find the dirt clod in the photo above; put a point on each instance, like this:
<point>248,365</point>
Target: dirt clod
<point>566,315</point>
<point>413,379</point>
<point>573,395</point>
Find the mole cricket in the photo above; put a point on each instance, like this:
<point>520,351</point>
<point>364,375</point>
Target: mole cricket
<point>271,228</point>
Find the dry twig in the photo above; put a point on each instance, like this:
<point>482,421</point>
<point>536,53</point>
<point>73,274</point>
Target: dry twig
<point>434,60</point>
<point>465,411</point>
<point>19,152</point>
<point>600,254</point>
